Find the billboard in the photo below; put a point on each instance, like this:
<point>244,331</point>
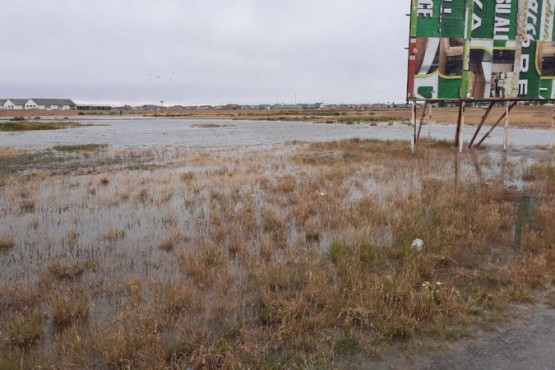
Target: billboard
<point>482,49</point>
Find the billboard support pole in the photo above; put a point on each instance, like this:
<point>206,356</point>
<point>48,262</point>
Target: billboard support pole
<point>461,132</point>
<point>429,121</point>
<point>459,117</point>
<point>513,104</point>
<point>413,123</point>
<point>553,128</point>
<point>422,120</point>
<point>460,125</point>
<point>484,118</point>
<point>506,128</point>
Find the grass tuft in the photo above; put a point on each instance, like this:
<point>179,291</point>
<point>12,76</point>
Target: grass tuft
<point>67,310</point>
<point>79,147</point>
<point>25,330</point>
<point>65,271</point>
<point>6,243</point>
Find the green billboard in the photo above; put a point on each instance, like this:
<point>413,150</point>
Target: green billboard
<point>482,49</point>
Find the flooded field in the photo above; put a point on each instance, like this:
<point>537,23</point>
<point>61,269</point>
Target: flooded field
<point>128,132</point>
<point>237,246</point>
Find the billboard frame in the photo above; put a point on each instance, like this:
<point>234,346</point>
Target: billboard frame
<point>444,29</point>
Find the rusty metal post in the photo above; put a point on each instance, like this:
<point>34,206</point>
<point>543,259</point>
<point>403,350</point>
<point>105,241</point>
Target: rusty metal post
<point>459,119</point>
<point>484,118</point>
<point>413,123</point>
<point>430,121</point>
<point>506,128</point>
<point>495,124</point>
<point>553,130</point>
<point>461,131</point>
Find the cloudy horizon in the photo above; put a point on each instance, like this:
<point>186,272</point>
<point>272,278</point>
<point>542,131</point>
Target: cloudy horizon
<point>205,52</point>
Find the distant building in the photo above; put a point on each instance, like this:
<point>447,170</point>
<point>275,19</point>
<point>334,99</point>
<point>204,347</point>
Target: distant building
<point>94,107</point>
<point>14,104</point>
<point>40,104</point>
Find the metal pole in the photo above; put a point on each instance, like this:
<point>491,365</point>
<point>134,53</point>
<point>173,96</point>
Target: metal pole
<point>484,118</point>
<point>553,129</point>
<point>495,124</point>
<point>457,134</point>
<point>461,131</point>
<point>506,129</point>
<point>430,121</point>
<point>413,122</point>
<point>422,120</point>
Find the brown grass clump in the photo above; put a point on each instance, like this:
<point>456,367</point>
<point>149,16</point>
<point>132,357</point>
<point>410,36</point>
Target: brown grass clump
<point>187,176</point>
<point>104,180</point>
<point>27,206</point>
<point>25,330</point>
<point>67,310</point>
<point>167,245</point>
<point>114,234</point>
<point>65,271</point>
<point>550,299</point>
<point>6,243</point>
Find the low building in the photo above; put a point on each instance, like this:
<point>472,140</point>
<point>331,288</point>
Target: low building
<point>14,104</point>
<point>40,104</point>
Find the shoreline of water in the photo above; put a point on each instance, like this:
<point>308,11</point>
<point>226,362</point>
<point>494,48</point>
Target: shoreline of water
<point>129,132</point>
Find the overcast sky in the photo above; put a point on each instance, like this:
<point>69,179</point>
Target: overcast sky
<point>204,51</point>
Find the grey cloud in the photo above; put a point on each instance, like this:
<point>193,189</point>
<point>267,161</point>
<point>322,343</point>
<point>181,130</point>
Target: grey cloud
<point>210,51</point>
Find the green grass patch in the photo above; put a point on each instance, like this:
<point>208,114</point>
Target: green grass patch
<point>12,163</point>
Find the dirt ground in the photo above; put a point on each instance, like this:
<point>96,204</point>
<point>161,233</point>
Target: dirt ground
<point>527,343</point>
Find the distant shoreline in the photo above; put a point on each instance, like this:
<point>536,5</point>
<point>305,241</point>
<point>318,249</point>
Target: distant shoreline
<point>525,116</point>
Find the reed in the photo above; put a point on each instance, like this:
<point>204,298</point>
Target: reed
<point>294,257</point>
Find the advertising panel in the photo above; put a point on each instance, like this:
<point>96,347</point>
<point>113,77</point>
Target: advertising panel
<point>482,49</point>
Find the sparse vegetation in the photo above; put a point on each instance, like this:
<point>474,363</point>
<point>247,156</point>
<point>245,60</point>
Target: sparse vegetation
<point>79,147</point>
<point>24,330</point>
<point>209,125</point>
<point>69,309</point>
<point>22,125</point>
<point>284,258</point>
<point>6,243</point>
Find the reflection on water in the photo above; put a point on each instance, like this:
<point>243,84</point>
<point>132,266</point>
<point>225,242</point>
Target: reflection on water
<point>160,132</point>
<point>525,209</point>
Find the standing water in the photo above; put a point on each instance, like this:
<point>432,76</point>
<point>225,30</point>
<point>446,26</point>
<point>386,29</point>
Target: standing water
<point>189,133</point>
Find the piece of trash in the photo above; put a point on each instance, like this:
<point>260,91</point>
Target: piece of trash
<point>417,245</point>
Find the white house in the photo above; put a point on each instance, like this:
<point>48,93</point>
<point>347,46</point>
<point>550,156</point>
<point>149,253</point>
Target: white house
<point>30,104</point>
<point>40,104</point>
<point>54,104</point>
<point>13,104</point>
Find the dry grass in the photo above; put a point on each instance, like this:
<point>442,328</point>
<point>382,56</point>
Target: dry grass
<point>521,116</point>
<point>22,125</point>
<point>65,270</point>
<point>69,309</point>
<point>274,258</point>
<point>6,243</point>
<point>24,330</point>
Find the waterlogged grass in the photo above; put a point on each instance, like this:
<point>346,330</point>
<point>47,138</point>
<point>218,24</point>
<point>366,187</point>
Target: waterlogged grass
<point>36,126</point>
<point>209,125</point>
<point>298,256</point>
<point>79,147</point>
<point>15,162</point>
